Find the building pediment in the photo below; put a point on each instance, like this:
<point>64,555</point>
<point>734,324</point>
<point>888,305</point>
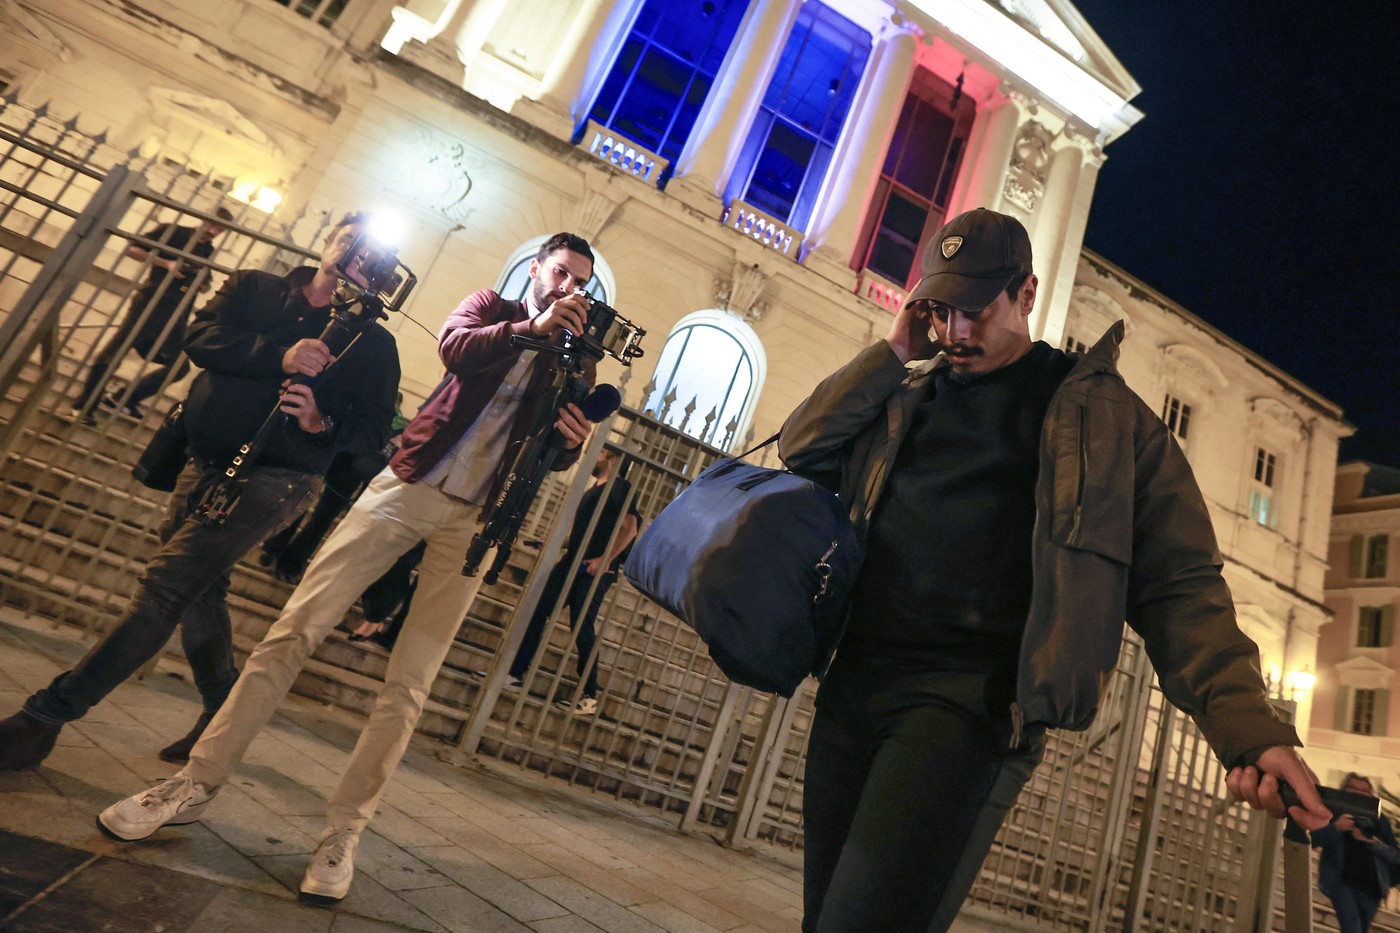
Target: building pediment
<point>1050,47</point>
<point>1365,674</point>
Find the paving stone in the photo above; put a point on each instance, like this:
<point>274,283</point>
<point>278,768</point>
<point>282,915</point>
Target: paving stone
<point>672,919</point>
<point>454,846</point>
<point>591,906</point>
<point>458,909</point>
<point>237,911</point>
<point>31,865</point>
<point>116,895</point>
<point>490,883</point>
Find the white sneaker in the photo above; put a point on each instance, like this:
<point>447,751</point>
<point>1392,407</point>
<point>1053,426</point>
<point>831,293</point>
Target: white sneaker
<point>586,706</point>
<point>332,867</point>
<point>175,802</point>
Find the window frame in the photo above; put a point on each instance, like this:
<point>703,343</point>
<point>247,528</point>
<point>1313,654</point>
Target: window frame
<point>923,90</point>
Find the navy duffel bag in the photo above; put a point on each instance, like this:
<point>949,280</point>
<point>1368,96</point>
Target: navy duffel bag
<point>760,563</point>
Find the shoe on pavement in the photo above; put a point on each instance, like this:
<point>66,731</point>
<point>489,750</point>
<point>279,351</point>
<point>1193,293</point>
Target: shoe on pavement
<point>178,751</point>
<point>586,705</point>
<point>26,741</point>
<point>514,683</point>
<point>175,802</point>
<point>332,868</point>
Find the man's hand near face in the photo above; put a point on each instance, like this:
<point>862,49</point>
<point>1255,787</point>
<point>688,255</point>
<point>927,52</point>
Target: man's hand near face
<point>910,335</point>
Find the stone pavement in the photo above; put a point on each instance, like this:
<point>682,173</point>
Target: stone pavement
<point>461,849</point>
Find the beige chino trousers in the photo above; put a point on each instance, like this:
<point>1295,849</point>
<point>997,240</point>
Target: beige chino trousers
<point>390,517</point>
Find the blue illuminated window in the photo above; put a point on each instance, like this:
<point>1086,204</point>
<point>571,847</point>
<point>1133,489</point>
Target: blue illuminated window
<point>785,157</point>
<point>661,77</point>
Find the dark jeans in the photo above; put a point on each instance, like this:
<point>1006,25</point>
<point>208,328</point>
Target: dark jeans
<point>908,780</point>
<point>582,621</point>
<point>105,363</point>
<point>186,583</point>
<point>293,546</point>
<point>1355,909</point>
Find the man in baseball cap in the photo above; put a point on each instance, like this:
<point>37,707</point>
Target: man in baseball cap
<point>1003,553</point>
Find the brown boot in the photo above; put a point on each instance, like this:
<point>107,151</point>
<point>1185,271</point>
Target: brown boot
<point>178,752</point>
<point>25,741</point>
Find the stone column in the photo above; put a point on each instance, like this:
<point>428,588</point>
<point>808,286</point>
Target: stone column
<point>704,165</point>
<point>1050,243</point>
<point>579,65</point>
<point>989,151</point>
<point>860,152</point>
<point>459,34</point>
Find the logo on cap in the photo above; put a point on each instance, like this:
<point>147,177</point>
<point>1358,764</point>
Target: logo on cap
<point>950,246</point>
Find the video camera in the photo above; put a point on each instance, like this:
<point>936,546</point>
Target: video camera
<point>371,266</point>
<point>607,333</point>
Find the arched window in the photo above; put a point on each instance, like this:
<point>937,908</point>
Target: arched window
<point>716,360</point>
<point>515,276</point>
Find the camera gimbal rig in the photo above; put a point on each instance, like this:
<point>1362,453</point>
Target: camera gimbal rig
<point>606,333</point>
<point>353,308</point>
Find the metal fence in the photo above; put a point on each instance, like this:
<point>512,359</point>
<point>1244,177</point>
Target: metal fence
<point>1121,828</point>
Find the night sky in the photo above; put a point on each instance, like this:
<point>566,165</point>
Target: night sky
<point>1260,191</point>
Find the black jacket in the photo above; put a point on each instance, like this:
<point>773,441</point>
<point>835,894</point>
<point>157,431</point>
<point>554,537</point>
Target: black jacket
<point>1122,533</point>
<point>239,338</point>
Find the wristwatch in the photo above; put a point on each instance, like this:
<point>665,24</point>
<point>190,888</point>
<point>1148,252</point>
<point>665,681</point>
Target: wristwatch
<point>327,424</point>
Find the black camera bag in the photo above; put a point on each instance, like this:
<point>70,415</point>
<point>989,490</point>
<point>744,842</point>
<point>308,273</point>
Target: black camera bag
<point>166,455</point>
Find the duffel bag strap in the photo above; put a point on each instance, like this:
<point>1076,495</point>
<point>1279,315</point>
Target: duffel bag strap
<point>760,446</point>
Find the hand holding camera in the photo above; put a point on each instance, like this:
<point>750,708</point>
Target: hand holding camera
<point>568,313</point>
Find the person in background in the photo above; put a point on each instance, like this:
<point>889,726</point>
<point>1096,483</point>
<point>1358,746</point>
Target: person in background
<point>1358,861</point>
<point>162,301</point>
<point>598,563</point>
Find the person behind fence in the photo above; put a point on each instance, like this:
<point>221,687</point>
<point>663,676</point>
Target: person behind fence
<point>259,330</point>
<point>155,317</point>
<point>1018,504</point>
<point>598,563</point>
<point>450,462</point>
<point>1359,861</point>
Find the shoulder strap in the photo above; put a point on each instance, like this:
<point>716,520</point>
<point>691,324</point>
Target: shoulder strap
<point>760,446</point>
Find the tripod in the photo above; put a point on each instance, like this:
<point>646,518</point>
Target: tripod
<point>503,516</point>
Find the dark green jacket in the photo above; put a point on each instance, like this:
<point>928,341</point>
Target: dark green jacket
<point>1121,533</point>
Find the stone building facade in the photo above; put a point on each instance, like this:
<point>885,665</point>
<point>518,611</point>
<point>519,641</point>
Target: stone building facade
<point>757,178</point>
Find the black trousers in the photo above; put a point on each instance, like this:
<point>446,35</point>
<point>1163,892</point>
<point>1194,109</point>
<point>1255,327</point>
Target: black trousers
<point>909,776</point>
<point>582,612</point>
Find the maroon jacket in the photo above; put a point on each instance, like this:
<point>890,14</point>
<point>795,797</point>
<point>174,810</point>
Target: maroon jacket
<point>475,347</point>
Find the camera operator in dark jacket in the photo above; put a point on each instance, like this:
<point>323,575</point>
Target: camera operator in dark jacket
<point>1357,863</point>
<point>256,333</point>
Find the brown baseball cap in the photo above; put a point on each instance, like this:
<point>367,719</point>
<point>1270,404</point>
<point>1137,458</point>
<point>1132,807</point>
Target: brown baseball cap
<point>972,258</point>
